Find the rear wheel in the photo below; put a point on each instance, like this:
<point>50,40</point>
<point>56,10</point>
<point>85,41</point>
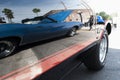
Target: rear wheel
<point>6,47</point>
<point>72,32</point>
<point>96,60</point>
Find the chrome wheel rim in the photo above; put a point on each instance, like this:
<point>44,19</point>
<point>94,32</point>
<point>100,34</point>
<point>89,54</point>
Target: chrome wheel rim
<point>103,49</point>
<point>6,48</point>
<point>73,32</point>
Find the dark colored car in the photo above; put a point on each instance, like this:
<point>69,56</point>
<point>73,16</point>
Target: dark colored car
<point>29,21</point>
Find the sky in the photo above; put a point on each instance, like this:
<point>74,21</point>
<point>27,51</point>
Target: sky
<point>23,9</point>
<point>98,5</point>
<point>109,6</point>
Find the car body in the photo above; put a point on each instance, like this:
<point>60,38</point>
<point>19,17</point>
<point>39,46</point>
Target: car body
<point>49,27</point>
<point>100,20</point>
<point>39,30</point>
<point>51,58</point>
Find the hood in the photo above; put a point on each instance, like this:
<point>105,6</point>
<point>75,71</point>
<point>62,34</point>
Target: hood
<point>60,16</point>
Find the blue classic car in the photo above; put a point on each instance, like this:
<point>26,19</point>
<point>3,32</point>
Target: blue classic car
<point>52,25</point>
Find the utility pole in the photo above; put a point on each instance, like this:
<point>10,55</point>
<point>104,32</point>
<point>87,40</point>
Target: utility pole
<point>64,5</point>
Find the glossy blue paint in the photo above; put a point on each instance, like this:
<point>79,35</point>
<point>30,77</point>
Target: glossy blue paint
<point>33,32</point>
<point>100,19</point>
<point>60,16</point>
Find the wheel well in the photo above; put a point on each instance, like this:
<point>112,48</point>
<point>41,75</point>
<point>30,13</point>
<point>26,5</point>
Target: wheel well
<point>108,28</point>
<point>76,27</point>
<point>17,39</point>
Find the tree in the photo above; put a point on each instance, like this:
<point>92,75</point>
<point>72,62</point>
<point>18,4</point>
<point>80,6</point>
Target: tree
<point>9,14</point>
<point>36,11</point>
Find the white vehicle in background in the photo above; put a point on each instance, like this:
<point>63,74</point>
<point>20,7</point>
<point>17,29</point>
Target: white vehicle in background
<point>114,21</point>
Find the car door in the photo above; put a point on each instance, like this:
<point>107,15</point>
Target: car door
<point>37,32</point>
<point>43,31</point>
<point>57,29</point>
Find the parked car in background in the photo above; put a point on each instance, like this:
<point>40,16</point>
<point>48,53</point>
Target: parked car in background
<point>100,20</point>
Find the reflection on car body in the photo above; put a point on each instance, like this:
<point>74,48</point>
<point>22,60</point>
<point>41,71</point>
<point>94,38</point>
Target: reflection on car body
<point>29,21</point>
<point>50,26</point>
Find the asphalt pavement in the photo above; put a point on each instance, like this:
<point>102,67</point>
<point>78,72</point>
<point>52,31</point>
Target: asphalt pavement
<point>111,71</point>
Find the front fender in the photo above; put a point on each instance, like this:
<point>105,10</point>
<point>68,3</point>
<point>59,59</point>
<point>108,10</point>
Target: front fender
<point>108,27</point>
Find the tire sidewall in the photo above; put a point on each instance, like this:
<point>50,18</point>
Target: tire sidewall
<point>13,43</point>
<point>92,61</point>
<point>98,63</point>
<point>102,63</point>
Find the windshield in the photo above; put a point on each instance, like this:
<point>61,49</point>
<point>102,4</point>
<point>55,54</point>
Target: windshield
<point>27,9</point>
